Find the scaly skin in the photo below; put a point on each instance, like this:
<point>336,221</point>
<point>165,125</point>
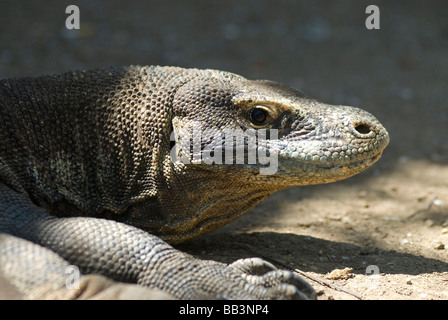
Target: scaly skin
<point>86,164</point>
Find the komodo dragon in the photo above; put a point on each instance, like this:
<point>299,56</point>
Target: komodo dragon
<point>88,177</point>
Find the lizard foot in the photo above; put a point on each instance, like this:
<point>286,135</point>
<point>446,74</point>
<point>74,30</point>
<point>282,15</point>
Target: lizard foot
<point>250,279</point>
<point>279,284</point>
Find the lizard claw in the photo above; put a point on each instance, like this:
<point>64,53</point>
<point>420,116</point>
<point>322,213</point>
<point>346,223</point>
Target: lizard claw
<point>274,283</point>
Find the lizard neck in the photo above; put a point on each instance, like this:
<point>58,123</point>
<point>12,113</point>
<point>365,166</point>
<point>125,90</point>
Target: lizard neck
<point>196,199</point>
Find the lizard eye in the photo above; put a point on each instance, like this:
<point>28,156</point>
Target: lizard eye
<point>258,116</point>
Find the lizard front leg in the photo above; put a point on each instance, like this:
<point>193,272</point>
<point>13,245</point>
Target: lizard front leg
<point>127,254</point>
<point>39,273</point>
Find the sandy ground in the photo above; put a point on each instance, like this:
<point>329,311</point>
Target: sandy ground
<point>393,218</point>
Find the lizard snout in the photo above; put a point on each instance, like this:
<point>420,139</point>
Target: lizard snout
<point>370,130</point>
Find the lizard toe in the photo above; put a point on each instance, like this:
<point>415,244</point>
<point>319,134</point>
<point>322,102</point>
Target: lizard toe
<point>253,266</point>
<point>283,284</point>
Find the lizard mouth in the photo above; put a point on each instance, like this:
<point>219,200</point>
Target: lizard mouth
<point>367,161</point>
<point>294,173</point>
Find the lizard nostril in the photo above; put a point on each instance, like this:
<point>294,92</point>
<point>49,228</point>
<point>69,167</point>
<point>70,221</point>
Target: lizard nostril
<point>363,128</point>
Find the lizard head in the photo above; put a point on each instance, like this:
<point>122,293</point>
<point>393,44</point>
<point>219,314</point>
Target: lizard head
<point>267,132</point>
